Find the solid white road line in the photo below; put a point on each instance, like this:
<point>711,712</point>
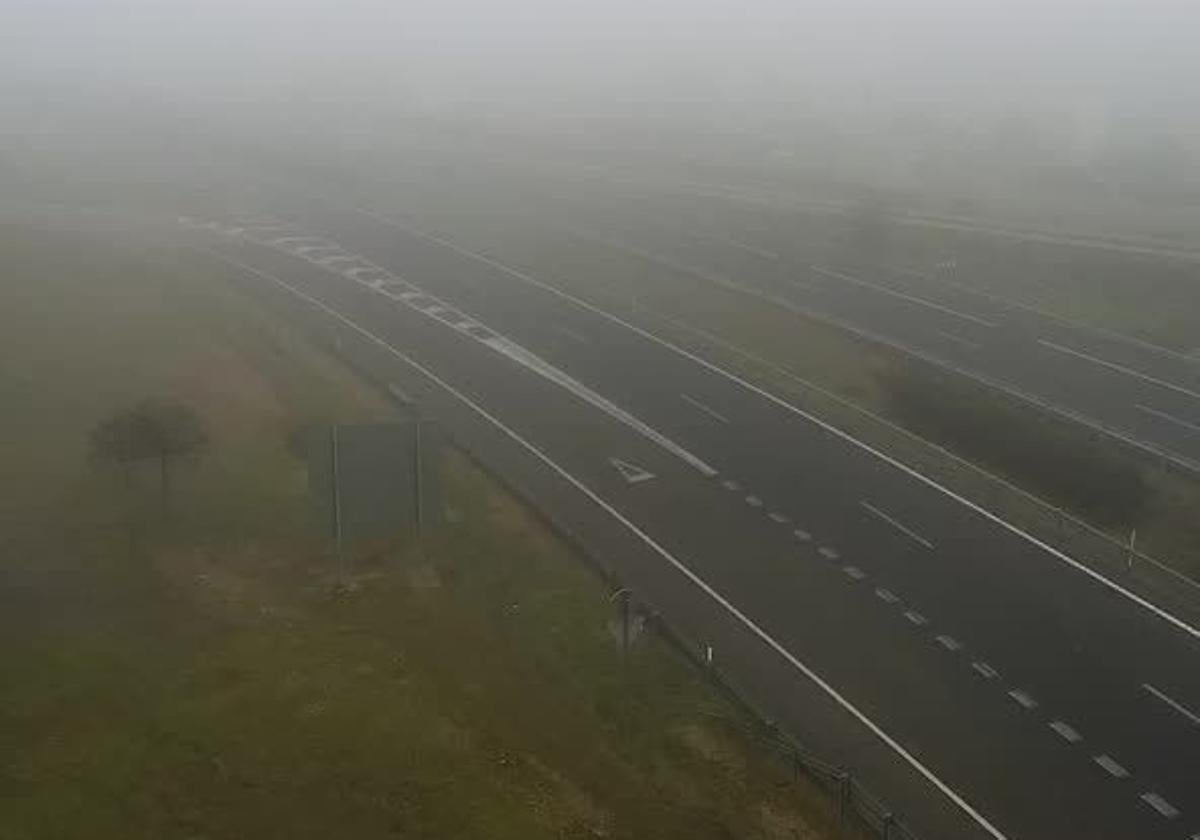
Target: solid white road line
<point>1128,371</point>
<point>604,314</point>
<point>1177,706</point>
<point>1066,731</point>
<point>1115,770</point>
<point>695,403</point>
<point>1170,418</point>
<point>983,322</point>
<point>1159,804</point>
<point>897,525</point>
<point>652,544</point>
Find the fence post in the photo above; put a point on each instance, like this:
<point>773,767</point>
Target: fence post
<point>843,798</point>
<point>888,822</point>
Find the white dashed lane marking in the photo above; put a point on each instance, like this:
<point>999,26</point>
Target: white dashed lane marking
<point>802,535</point>
<point>854,572</point>
<point>1159,804</point>
<point>777,517</point>
<point>916,618</point>
<point>1023,698</point>
<point>754,501</point>
<point>886,595</point>
<point>1066,731</point>
<point>1115,770</point>
<point>949,643</point>
<point>985,670</point>
<point>827,552</point>
<point>730,484</point>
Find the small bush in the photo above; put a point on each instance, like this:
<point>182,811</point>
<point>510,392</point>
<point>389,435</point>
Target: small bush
<point>1053,458</point>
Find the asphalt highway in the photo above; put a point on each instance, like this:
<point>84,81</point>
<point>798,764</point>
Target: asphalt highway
<point>982,683</point>
<point>1143,394</point>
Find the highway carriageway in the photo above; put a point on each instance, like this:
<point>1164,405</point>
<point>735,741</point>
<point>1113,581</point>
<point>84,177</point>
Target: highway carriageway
<point>982,683</point>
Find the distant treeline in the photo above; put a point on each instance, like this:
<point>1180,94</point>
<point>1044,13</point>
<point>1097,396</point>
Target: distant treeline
<point>1054,458</point>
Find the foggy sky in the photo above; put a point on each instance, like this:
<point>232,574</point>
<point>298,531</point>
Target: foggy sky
<point>1063,77</point>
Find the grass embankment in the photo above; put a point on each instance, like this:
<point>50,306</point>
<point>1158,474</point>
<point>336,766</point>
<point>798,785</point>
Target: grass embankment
<point>821,366</point>
<point>197,676</point>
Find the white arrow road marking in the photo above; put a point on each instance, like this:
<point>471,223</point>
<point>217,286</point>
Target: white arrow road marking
<point>631,472</point>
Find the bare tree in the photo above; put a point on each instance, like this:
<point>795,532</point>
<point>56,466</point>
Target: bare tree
<point>151,430</point>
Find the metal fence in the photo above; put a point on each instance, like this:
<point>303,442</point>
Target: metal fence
<point>853,805</point>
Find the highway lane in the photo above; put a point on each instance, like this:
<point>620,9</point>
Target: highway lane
<point>583,440</point>
<point>975,583</point>
<point>1136,391</point>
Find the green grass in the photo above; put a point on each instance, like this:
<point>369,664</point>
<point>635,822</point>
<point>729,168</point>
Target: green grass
<point>199,676</point>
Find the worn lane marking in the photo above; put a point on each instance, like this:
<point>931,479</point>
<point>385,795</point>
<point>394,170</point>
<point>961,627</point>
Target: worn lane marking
<point>1170,418</point>
<point>959,340</point>
<point>854,572</point>
<point>1115,770</point>
<point>1068,732</point>
<point>1128,371</point>
<point>1023,698</point>
<point>1174,704</point>
<point>1159,804</point>
<point>778,518</point>
<point>916,618</point>
<point>750,249</point>
<point>949,643</point>
<point>695,403</point>
<point>802,535</point>
<point>886,595</point>
<point>730,484</point>
<point>827,552</point>
<point>570,333</point>
<point>910,298</point>
<point>754,501</point>
<point>897,525</point>
<point>985,670</point>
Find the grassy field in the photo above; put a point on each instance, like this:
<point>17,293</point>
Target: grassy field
<point>196,675</point>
